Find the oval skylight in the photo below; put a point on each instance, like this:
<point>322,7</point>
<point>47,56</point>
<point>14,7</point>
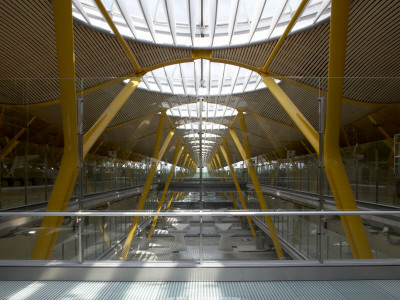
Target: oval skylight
<point>202,147</point>
<point>209,110</point>
<point>206,126</point>
<point>202,78</point>
<point>205,136</point>
<point>201,24</point>
<point>204,142</point>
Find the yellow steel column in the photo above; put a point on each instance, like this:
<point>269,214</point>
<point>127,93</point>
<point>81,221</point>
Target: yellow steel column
<point>227,155</point>
<point>380,128</point>
<point>185,160</point>
<point>284,34</point>
<point>225,177</point>
<point>63,193</point>
<point>98,147</point>
<point>302,123</point>
<point>104,232</point>
<point>106,117</point>
<point>216,170</point>
<point>170,202</point>
<point>14,141</point>
<point>67,175</point>
<point>275,171</point>
<point>121,40</point>
<point>246,155</point>
<point>177,155</point>
<point>178,178</point>
<point>334,168</point>
<point>157,155</point>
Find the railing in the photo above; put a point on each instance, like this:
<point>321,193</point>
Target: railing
<point>369,168</point>
<point>225,236</point>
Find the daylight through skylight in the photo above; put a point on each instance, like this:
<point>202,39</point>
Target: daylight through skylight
<point>201,24</point>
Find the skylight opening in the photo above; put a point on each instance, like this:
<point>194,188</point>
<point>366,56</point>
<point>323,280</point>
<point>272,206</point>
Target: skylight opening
<point>209,110</point>
<point>205,136</point>
<point>205,126</point>
<point>224,22</point>
<point>204,142</point>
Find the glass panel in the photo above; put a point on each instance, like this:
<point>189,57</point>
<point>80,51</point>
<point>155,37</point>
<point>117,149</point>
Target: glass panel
<point>18,242</point>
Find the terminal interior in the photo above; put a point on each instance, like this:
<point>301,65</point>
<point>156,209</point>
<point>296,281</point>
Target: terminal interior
<point>228,137</point>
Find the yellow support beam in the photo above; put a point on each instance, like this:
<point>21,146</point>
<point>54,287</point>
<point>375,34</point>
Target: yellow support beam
<point>104,232</point>
<point>389,140</point>
<point>227,155</point>
<point>295,114</point>
<point>333,163</point>
<point>177,155</point>
<point>224,177</point>
<point>106,117</point>
<point>68,173</point>
<point>121,40</point>
<point>14,141</point>
<point>179,178</point>
<point>308,149</point>
<point>284,35</point>
<point>157,155</point>
<point>275,172</point>
<point>170,202</point>
<point>98,147</point>
<point>257,187</point>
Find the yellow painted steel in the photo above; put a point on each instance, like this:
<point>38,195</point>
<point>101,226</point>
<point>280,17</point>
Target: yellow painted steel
<point>177,155</point>
<point>97,148</point>
<point>275,172</point>
<point>380,128</point>
<point>11,144</point>
<point>104,232</point>
<point>179,177</point>
<point>306,147</point>
<point>227,155</point>
<point>321,92</point>
<point>170,202</point>
<point>302,123</point>
<point>259,193</point>
<point>106,117</point>
<point>121,40</point>
<point>224,177</point>
<point>157,155</point>
<point>245,137</point>
<point>204,54</point>
<point>185,158</point>
<point>284,34</point>
<point>67,175</point>
<point>334,167</point>
<point>216,170</point>
<point>166,142</point>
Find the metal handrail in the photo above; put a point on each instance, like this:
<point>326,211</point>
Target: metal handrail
<point>197,213</point>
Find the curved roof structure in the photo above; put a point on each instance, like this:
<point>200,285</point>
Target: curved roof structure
<point>176,68</point>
